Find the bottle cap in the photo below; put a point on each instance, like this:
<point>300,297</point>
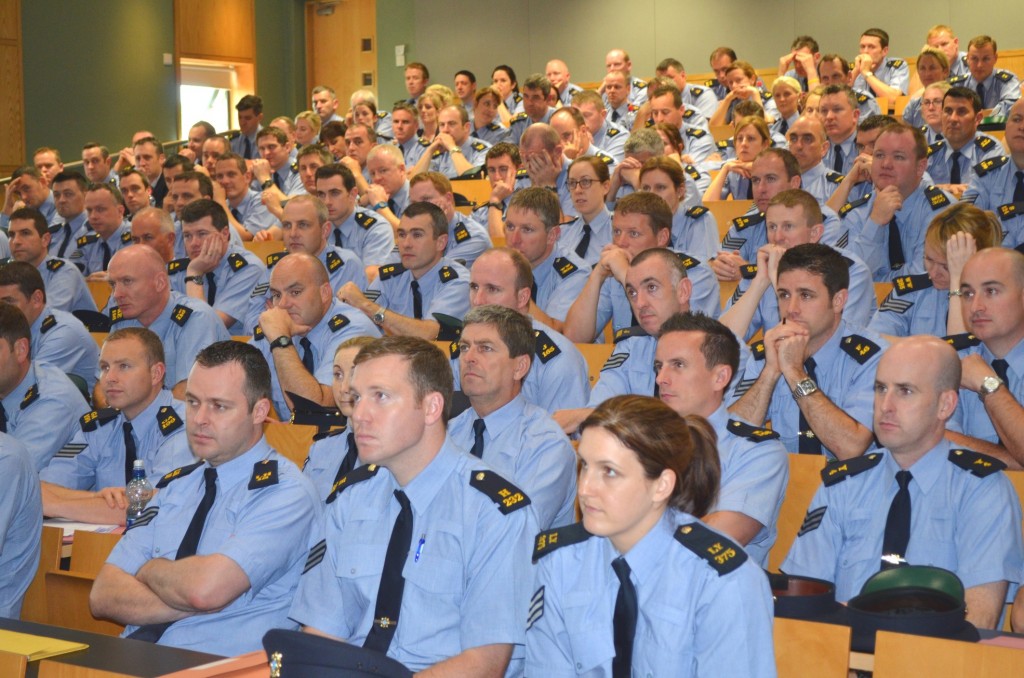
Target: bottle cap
<point>139,464</point>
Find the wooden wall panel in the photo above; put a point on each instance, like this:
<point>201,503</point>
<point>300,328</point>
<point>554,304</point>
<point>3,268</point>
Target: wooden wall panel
<point>225,29</point>
<point>12,103</point>
<point>334,54</point>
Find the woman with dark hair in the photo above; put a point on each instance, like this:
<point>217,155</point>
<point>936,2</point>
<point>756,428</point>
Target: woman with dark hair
<point>641,586</point>
<point>503,79</point>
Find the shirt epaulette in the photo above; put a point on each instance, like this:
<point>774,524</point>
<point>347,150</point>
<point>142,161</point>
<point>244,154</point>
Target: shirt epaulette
<point>447,273</point>
<point>1008,211</point>
<point>841,469</point>
<point>638,83</point>
<point>54,264</point>
<point>834,177</point>
<point>862,97</point>
<point>935,147</point>
<point>181,314</point>
<point>423,142</point>
<point>177,473</point>
<point>334,261</point>
<point>275,257</point>
<point>522,173</point>
<point>894,63</point>
<point>718,551</point>
<point>936,198</point>
<point>168,420</point>
<point>1005,76</point>
<point>696,91</point>
<point>747,220</point>
<point>688,260</point>
<point>479,146</point>
<point>977,463</point>
<point>956,80</point>
<point>984,142</point>
<point>986,166</point>
<point>564,267</point>
<point>962,340</point>
<point>330,433</point>
<point>257,333</point>
<point>692,171</point>
<point>337,321</point>
<point>859,348</point>
<point>605,158</point>
<point>544,347</point>
<point>178,265</point>
<point>504,494</point>
<point>518,117</point>
<point>627,332</point>
<point>695,132</point>
<point>745,430</point>
<point>126,237</point>
<point>854,204</point>
<point>353,477</point>
<point>905,284</point>
<point>389,271</point>
<point>748,271</point>
<point>264,474</point>
<point>365,220</point>
<point>552,540</point>
<point>116,314</point>
<point>93,420</point>
<point>696,211</point>
<point>461,233</point>
<point>87,238</point>
<point>236,261</point>
<point>724,144</point>
<point>49,322</point>
<point>757,349</point>
<point>613,132</point>
<point>31,395</point>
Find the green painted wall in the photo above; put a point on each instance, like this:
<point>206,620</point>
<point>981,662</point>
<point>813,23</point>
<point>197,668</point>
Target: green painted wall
<point>395,26</point>
<point>281,57</point>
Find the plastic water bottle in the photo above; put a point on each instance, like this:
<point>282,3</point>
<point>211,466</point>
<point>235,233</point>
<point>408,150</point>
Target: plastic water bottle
<point>138,492</point>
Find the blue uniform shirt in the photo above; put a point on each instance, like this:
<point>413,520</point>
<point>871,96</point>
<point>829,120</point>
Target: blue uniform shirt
<point>524,444</point>
<point>695,230</point>
<point>468,584</point>
<point>367,234</point>
<point>991,188</point>
<point>600,235</point>
<point>43,411</point>
<point>971,417</point>
<point>238,145</point>
<point>914,306</point>
<point>21,523</point>
<point>89,254</point>
<point>94,458</point>
<point>238,527</point>
<point>624,115</point>
<point>473,150</point>
<point>413,150</point>
<point>493,132</point>
<point>955,516</point>
<point>701,98</point>
<point>467,240</point>
<point>444,289</point>
<point>238,272</point>
<point>845,372</point>
<point>49,211</point>
<point>185,326</point>
<point>65,286</point>
<point>1001,89</point>
<point>687,622</point>
<point>850,153</point>
<point>560,278</point>
<point>940,157</point>
<point>747,233</point>
<point>611,139</point>
<point>820,182</point>
<point>252,213</point>
<point>61,339</point>
<point>325,457</point>
<point>893,72</point>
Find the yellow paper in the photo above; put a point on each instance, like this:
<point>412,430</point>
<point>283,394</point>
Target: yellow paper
<point>34,648</point>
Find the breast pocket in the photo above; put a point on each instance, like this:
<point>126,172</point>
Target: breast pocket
<point>358,569</point>
<point>591,639</point>
<point>862,538</point>
<point>667,637</point>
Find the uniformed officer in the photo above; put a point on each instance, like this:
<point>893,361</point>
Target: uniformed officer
<point>300,332</point>
<point>69,201</point>
<point>601,586</point>
<point>998,183</point>
<point>143,422</point>
<point>641,221</point>
<point>930,302</point>
<point>21,522</point>
<point>218,273</point>
<point>587,235</point>
<point>812,376</point>
<point>558,375</point>
<point>110,232</point>
<point>275,169</point>
<point>607,136</point>
<point>453,151</point>
<point>29,241</point>
<point>407,298</point>
<point>519,439</point>
<point>536,94</point>
<point>364,232</point>
<point>532,229</point>
<point>503,167</point>
<point>667,107</point>
<point>58,337</point>
<point>226,586</point>
<point>616,99</point>
<point>466,238</point>
<point>839,112</point>
<point>154,227</point>
<point>135,190</point>
<point>142,296</point>
<point>248,214</point>
<point>808,143</point>
<point>425,547</point>
<point>149,158</point>
<point>388,194</point>
<point>250,117</point>
<point>405,123</point>
<point>834,69</point>
<point>618,60</point>
<point>325,102</point>
<point>793,218</point>
<point>39,405</point>
<point>941,37</point>
<point>546,165</point>
<point>557,72</point>
<point>875,73</point>
<point>997,89</point>
<point>701,98</point>
<point>951,160</point>
<point>886,226</point>
<point>918,500</point>
<point>486,124</point>
<point>575,134</point>
<point>694,228</point>
<point>97,163</point>
<point>28,186</point>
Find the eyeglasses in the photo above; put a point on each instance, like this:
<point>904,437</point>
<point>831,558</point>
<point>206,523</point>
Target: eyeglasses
<point>584,183</point>
<point>931,102</point>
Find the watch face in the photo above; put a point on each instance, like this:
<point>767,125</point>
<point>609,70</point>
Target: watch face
<point>990,384</point>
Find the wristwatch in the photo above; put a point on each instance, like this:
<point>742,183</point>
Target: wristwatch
<point>378,317</point>
<point>267,184</point>
<point>197,279</point>
<point>281,342</point>
<point>989,385</point>
<point>804,388</point>
<point>379,206</point>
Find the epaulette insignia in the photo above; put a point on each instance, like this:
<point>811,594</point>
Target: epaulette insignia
<point>507,496</point>
<point>936,198</point>
<point>49,322</point>
<point>710,83</point>
<point>257,333</point>
<point>177,473</point>
<point>389,271</point>
<point>295,166</point>
<point>909,283</point>
<point>353,477</point>
<point>334,261</point>
<point>479,146</point>
<point>696,91</point>
<point>178,265</point>
<point>986,166</point>
<point>627,332</point>
<point>1008,211</point>
<point>648,123</point>
<point>264,474</point>
<point>723,144</point>
<point>275,257</point>
<point>382,114</point>
<point>687,260</point>
<point>116,314</point>
<point>436,154</point>
<point>862,98</point>
<point>632,108</point>
<point>638,83</point>
<point>613,132</point>
<point>605,158</point>
<point>87,238</point>
<point>168,420</point>
<point>544,347</point>
<point>692,171</point>
<point>745,430</point>
<point>180,315</point>
<point>978,464</point>
<point>696,211</point>
<point>564,267</point>
<point>748,271</point>
<point>461,233</point>
<point>237,261</point>
<point>365,220</point>
<point>962,340</point>
<point>718,551</point>
<point>859,348</point>
<point>54,264</point>
<point>744,221</point>
<point>91,421</point>
<point>767,96</point>
<point>494,127</point>
<point>696,133</point>
<point>518,117</point>
<point>447,274</point>
<point>517,97</point>
<point>552,540</point>
<point>984,143</point>
<point>936,147</point>
<point>31,395</point>
<point>689,113</point>
<point>423,142</point>
<point>956,80</point>
<point>126,237</point>
<point>522,173</point>
<point>894,63</point>
<point>757,349</point>
<point>841,469</point>
<point>338,321</point>
<point>834,177</point>
<point>330,433</point>
<point>1005,76</point>
<point>854,204</point>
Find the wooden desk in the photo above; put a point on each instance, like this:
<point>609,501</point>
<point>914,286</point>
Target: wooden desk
<point>132,657</point>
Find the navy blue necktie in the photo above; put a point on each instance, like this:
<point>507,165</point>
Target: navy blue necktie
<point>307,354</point>
<point>584,244</point>
<point>624,621</point>
<point>837,159</point>
<point>130,452</point>
<point>392,583</point>
<point>3,419</point>
<point>896,256</point>
<point>897,523</point>
<point>808,442</point>
<point>478,439</point>
<point>248,149</point>
<point>211,285</point>
<point>106,254</point>
<point>417,301</point>
<point>981,93</point>
<point>954,167</point>
<point>66,230</point>
<point>1018,189</point>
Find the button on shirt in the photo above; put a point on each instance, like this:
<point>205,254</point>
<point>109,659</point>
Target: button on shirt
<point>560,278</point>
<point>65,285</point>
<point>237,526</point>
<point>524,444</point>
<point>367,234</point>
<point>62,340</point>
<point>971,418</point>
<point>468,585</point>
<point>687,617</point>
<point>21,522</point>
<point>449,297</point>
<point>955,516</point>
<point>94,459</point>
<point>43,411</point>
